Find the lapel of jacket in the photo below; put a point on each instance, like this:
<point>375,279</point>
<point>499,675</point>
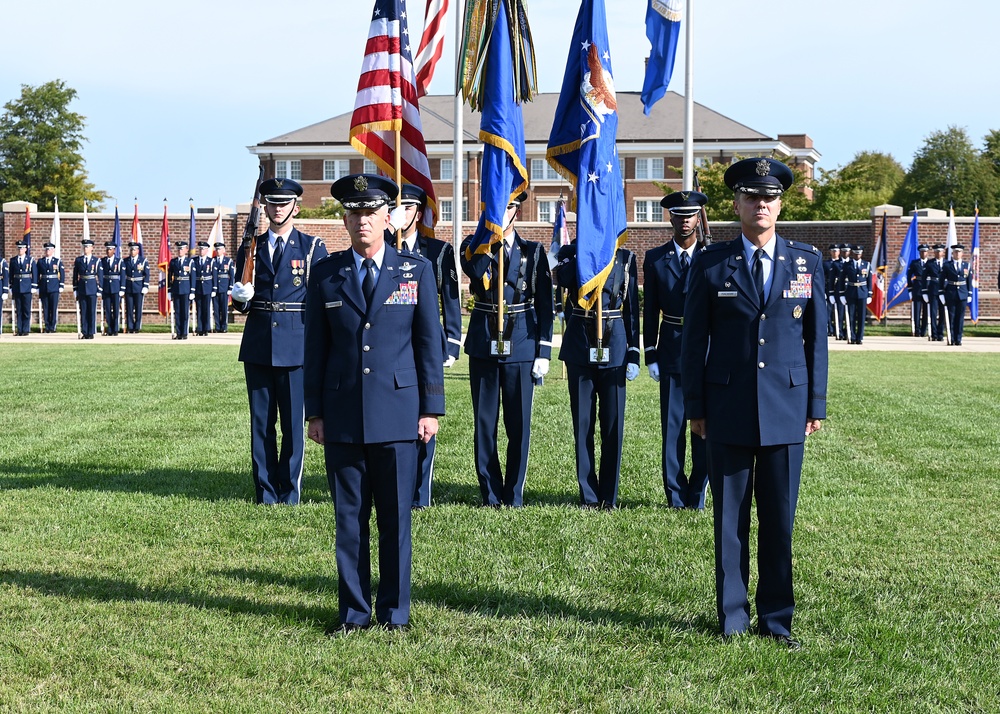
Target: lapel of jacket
<point>781,271</point>
<point>264,256</point>
<point>739,271</point>
<point>350,283</point>
<point>388,280</point>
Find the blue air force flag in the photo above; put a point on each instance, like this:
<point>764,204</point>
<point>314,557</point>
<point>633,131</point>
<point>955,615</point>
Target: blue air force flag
<point>663,26</point>
<point>898,292</point>
<point>582,149</point>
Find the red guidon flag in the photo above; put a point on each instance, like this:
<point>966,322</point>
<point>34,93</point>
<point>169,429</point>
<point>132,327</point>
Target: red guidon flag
<point>877,305</point>
<point>387,103</point>
<point>163,262</point>
<point>431,44</point>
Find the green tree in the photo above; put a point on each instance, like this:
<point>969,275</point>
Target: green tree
<point>948,169</point>
<point>40,144</point>
<point>849,192</point>
<point>329,209</point>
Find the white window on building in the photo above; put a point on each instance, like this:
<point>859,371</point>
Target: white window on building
<point>648,211</point>
<point>447,170</point>
<point>542,171</point>
<point>703,161</point>
<point>547,211</point>
<point>290,169</point>
<point>445,208</point>
<point>649,168</point>
<point>369,167</point>
<point>621,168</point>
<point>334,169</point>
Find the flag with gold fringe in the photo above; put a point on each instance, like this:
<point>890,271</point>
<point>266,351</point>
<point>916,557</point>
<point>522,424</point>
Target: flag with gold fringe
<point>582,149</point>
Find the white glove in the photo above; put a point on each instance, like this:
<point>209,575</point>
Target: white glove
<point>214,293</point>
<point>397,218</point>
<point>561,316</point>
<point>449,362</point>
<point>654,371</point>
<point>191,296</point>
<point>868,301</point>
<point>74,294</point>
<point>540,368</point>
<point>61,289</point>
<point>6,296</point>
<point>969,299</point>
<point>941,299</point>
<point>145,290</point>
<point>631,371</point>
<point>843,300</point>
<point>243,293</point>
<point>34,291</point>
<point>926,299</point>
<point>833,299</point>
<point>121,293</point>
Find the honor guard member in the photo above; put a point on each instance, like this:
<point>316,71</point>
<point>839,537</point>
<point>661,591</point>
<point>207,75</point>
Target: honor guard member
<point>597,370</point>
<point>180,278</point>
<point>858,291</point>
<point>956,284</point>
<point>225,274</point>
<point>754,370</point>
<point>845,258</point>
<point>135,280</point>
<point>88,279</point>
<point>933,269</point>
<point>273,342</point>
<point>374,387</point>
<point>23,284</point>
<point>508,376</point>
<point>665,270</point>
<point>442,258</point>
<point>205,288</point>
<point>832,271</point>
<point>4,287</point>
<point>51,283</point>
<point>915,283</point>
<point>112,289</point>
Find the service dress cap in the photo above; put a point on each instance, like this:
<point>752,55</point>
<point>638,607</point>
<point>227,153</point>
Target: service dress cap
<point>759,176</point>
<point>110,244</point>
<point>86,241</point>
<point>280,191</point>
<point>204,244</point>
<point>519,199</point>
<point>220,244</point>
<point>412,195</point>
<point>922,247</point>
<point>834,246</point>
<point>48,244</point>
<point>359,191</point>
<point>958,246</point>
<point>180,244</point>
<point>939,246</point>
<point>684,203</point>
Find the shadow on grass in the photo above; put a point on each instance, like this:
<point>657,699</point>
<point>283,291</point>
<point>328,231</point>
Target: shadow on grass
<point>203,484</point>
<point>100,589</point>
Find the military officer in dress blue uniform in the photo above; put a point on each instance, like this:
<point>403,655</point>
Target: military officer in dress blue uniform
<point>915,284</point>
<point>374,387</point>
<point>4,287</point>
<point>112,289</point>
<point>934,296</point>
<point>858,291</point>
<point>754,371</point>
<point>442,258</point>
<point>956,284</point>
<point>845,258</point>
<point>509,377</point>
<point>597,369</point>
<point>51,283</point>
<point>225,274</point>
<point>273,342</point>
<point>135,281</point>
<point>834,288</point>
<point>205,288</point>
<point>23,284</point>
<point>180,279</point>
<point>665,270</point>
<point>88,281</point>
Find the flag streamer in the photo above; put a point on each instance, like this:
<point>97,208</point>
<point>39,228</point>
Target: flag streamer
<point>481,20</point>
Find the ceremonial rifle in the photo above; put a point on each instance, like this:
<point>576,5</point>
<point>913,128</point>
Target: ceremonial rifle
<point>250,232</point>
<point>704,231</point>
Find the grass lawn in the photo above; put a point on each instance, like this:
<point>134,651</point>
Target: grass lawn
<point>136,575</point>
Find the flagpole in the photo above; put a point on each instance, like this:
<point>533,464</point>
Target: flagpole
<point>688,180</point>
<point>459,169</point>
<point>501,279</point>
<point>399,183</point>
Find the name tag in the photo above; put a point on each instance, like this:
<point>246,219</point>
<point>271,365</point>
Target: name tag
<point>335,303</point>
<point>800,287</point>
<point>727,293</point>
<point>406,295</point>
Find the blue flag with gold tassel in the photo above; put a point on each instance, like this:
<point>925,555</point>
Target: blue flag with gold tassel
<point>582,149</point>
<point>663,27</point>
<point>496,85</point>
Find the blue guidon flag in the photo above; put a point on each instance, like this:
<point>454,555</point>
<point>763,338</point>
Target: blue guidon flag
<point>582,149</point>
<point>898,292</point>
<point>663,27</point>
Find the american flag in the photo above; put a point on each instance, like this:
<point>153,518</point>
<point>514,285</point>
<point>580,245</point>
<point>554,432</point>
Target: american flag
<point>387,103</point>
<point>136,232</point>
<point>431,43</point>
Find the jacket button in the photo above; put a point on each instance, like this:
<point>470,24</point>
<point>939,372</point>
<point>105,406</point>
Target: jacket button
<point>760,365</point>
<point>366,348</point>
<point>368,325</point>
<point>274,324</point>
<point>276,286</point>
<point>763,316</point>
<point>366,370</point>
<point>761,340</point>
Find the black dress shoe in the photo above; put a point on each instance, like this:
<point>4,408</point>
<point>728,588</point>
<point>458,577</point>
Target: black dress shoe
<point>784,640</point>
<point>346,629</point>
<point>396,626</point>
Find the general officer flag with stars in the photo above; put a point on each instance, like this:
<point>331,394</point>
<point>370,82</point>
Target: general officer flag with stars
<point>582,149</point>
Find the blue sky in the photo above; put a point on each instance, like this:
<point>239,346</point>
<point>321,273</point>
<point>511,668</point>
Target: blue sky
<point>174,93</point>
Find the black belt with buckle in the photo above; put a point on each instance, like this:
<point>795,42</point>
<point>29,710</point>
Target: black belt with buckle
<point>277,306</point>
<point>513,309</point>
<point>588,314</point>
